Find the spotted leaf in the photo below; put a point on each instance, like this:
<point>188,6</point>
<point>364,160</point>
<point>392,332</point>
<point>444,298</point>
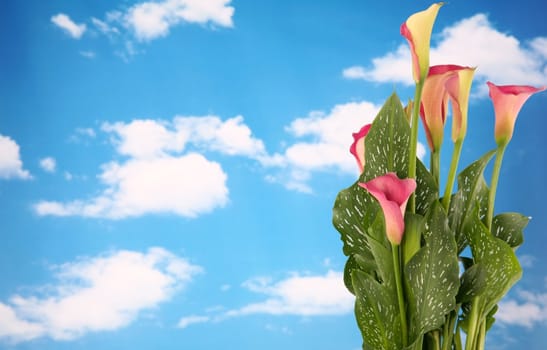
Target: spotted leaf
<point>432,275</point>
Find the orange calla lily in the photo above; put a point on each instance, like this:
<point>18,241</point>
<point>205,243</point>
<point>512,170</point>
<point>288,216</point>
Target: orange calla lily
<point>459,88</point>
<point>434,103</point>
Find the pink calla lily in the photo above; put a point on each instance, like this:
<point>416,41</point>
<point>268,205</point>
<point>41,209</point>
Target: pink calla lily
<point>392,193</point>
<point>508,100</point>
<point>459,88</point>
<point>417,31</point>
<point>357,148</point>
<point>434,103</point>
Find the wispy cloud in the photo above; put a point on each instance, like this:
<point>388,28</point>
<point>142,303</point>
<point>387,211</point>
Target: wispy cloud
<point>82,135</point>
<point>92,294</point>
<point>147,21</point>
<point>69,26</point>
<point>473,41</point>
<point>190,320</point>
<point>301,294</point>
<point>151,20</point>
<point>11,166</point>
<point>88,54</point>
<point>48,164</point>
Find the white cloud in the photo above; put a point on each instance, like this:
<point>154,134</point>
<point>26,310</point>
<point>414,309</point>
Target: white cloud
<point>15,329</point>
<point>93,294</point>
<point>151,20</point>
<point>70,27</point>
<point>231,137</point>
<point>302,295</point>
<point>473,41</point>
<point>190,320</point>
<point>143,186</point>
<point>11,165</point>
<point>156,178</point>
<point>322,144</point>
<point>527,310</point>
<point>48,164</point>
<point>145,138</point>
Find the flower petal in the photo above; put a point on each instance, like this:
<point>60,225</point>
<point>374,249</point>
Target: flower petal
<point>434,103</point>
<point>392,194</point>
<point>357,148</point>
<point>459,88</point>
<point>417,30</point>
<point>508,100</point>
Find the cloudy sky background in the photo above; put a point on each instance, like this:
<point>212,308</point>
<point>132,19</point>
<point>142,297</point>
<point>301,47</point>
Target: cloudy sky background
<point>168,168</point>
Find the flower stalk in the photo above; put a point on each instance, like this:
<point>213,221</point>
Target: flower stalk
<point>456,153</point>
<point>414,140</point>
<point>400,293</point>
<point>494,184</point>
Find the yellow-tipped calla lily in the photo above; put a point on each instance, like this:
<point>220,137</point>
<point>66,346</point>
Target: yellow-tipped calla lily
<point>459,88</point>
<point>417,30</point>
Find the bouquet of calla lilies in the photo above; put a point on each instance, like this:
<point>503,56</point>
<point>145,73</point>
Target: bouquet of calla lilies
<point>428,268</point>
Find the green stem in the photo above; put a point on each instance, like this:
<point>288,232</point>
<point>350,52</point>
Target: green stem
<point>457,339</point>
<point>400,296</point>
<point>473,325</point>
<point>414,139</point>
<point>481,337</point>
<point>435,165</point>
<point>494,184</point>
<point>448,329</point>
<point>434,340</point>
<point>452,173</point>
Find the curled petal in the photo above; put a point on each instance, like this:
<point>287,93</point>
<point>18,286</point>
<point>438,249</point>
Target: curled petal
<point>434,103</point>
<point>459,88</point>
<point>358,146</point>
<point>417,31</point>
<point>392,194</point>
<point>508,100</point>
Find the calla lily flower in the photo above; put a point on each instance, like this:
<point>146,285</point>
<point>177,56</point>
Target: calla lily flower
<point>459,88</point>
<point>417,31</point>
<point>434,103</point>
<point>358,146</point>
<point>392,193</point>
<point>508,100</point>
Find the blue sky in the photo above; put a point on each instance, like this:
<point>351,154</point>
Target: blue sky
<point>168,168</point>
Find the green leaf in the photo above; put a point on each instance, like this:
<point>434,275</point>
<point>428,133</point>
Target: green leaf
<point>472,188</point>
<point>498,258</point>
<point>432,275</point>
<point>472,283</point>
<point>357,262</point>
<point>426,190</point>
<point>380,249</point>
<point>377,313</point>
<point>354,210</point>
<point>490,317</point>
<point>387,143</point>
<point>509,227</point>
